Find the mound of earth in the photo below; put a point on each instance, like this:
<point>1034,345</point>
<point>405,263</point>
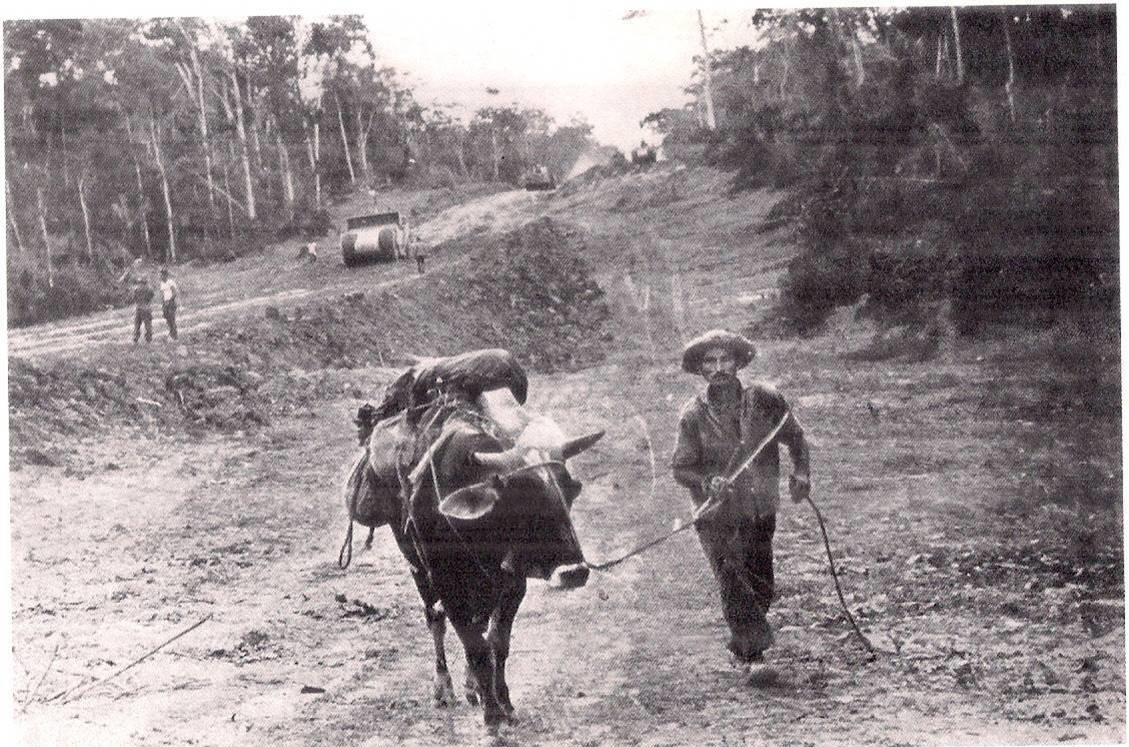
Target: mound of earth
<point>527,291</point>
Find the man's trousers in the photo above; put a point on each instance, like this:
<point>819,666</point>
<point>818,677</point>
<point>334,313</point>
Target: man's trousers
<point>739,551</point>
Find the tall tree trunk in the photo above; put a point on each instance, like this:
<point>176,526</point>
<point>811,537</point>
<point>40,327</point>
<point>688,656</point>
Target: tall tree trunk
<point>141,201</point>
<point>244,153</point>
<point>46,238</point>
<point>495,156</point>
<point>141,207</point>
<point>85,216</point>
<point>317,161</point>
<point>313,150</point>
<point>170,254</point>
<point>1009,86</point>
<point>11,213</point>
<point>956,45</point>
<point>460,151</point>
<point>252,99</point>
<point>202,107</point>
<point>66,163</point>
<point>227,186</point>
<point>284,168</point>
<point>942,41</point>
<point>362,143</point>
<point>707,75</point>
<point>345,139</point>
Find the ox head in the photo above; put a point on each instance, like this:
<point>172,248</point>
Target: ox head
<point>521,499</point>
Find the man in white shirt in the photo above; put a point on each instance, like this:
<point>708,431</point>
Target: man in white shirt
<point>168,301</point>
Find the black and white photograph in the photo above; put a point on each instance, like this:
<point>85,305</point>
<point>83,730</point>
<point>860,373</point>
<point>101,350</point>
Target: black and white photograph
<point>573,375</point>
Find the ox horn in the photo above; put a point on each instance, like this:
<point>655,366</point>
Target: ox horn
<point>577,445</point>
<point>498,460</point>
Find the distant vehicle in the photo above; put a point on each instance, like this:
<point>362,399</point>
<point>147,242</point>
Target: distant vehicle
<point>644,156</point>
<point>381,237</point>
<point>538,178</point>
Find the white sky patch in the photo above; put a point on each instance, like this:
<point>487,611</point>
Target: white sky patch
<point>577,59</point>
<point>566,60</point>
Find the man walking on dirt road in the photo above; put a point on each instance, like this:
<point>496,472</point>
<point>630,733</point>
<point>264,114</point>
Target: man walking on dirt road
<point>169,293</point>
<point>143,309</point>
<point>717,432</point>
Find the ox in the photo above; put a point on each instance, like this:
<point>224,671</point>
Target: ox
<point>487,511</point>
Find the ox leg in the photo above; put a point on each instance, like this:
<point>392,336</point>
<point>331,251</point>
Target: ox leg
<point>480,663</point>
<point>443,691</point>
<point>498,636</point>
<point>470,687</point>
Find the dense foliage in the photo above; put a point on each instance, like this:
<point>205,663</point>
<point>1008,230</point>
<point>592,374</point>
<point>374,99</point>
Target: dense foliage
<point>178,139</point>
<point>966,154</point>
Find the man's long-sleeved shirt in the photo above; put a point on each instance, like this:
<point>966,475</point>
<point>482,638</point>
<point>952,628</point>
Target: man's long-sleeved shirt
<point>142,296</point>
<point>714,444</point>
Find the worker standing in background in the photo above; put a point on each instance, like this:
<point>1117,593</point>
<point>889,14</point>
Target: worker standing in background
<point>142,309</point>
<point>169,293</point>
<point>420,253</point>
<point>309,252</point>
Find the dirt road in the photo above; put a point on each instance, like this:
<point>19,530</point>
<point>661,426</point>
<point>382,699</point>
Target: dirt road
<point>999,618</point>
<point>221,294</point>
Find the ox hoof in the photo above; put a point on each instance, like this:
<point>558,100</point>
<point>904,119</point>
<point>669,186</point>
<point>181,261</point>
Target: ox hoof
<point>471,686</point>
<point>444,692</point>
<point>762,675</point>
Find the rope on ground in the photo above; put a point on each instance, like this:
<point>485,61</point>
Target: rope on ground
<point>835,577</point>
<point>83,690</point>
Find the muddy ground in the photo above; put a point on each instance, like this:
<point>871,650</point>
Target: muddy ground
<point>973,502</point>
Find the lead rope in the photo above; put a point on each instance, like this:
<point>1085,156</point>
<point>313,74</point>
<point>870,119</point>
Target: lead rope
<point>715,499</point>
<point>835,578</point>
<point>343,559</point>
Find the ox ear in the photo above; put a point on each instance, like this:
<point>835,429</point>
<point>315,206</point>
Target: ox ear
<point>577,445</point>
<point>469,503</point>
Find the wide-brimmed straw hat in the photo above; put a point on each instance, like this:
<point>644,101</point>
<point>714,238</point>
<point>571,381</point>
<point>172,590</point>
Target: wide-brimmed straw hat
<point>738,346</point>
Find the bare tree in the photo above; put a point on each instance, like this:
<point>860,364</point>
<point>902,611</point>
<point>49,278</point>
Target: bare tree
<point>155,143</point>
<point>345,139</point>
<point>241,132</point>
<point>1009,86</point>
<point>85,215</point>
<point>11,212</point>
<point>46,238</point>
<point>707,75</point>
<point>194,82</point>
<point>286,173</point>
<point>956,45</point>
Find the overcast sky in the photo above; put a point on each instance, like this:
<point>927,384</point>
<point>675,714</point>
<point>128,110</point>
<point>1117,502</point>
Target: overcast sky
<point>565,60</point>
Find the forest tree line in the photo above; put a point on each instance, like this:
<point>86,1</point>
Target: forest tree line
<point>958,154</point>
<point>180,138</point>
